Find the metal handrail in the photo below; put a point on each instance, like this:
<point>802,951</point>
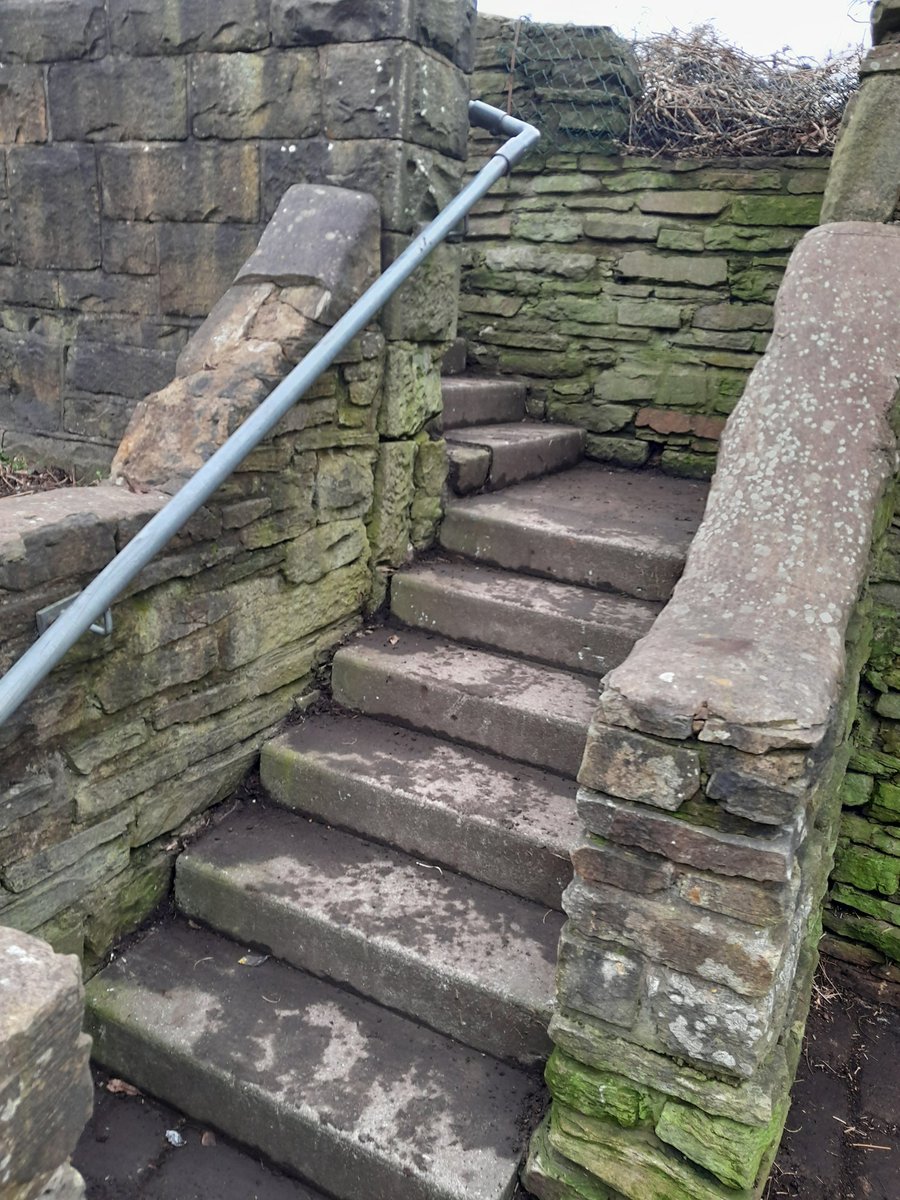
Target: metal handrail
<point>90,605</point>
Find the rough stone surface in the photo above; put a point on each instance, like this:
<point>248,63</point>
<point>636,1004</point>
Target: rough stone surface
<point>45,1086</point>
<point>863,182</point>
<point>634,767</point>
<point>345,1074</point>
<point>797,596</point>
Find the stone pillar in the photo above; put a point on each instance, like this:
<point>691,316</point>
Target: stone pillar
<point>864,182</point>
<point>712,774</point>
<point>45,1085</point>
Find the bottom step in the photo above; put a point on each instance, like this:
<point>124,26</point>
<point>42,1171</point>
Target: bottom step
<point>355,1099</point>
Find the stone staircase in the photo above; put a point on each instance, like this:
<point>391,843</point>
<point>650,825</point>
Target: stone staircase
<point>404,889</point>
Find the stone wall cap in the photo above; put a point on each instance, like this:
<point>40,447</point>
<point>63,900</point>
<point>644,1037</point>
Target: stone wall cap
<point>750,650</point>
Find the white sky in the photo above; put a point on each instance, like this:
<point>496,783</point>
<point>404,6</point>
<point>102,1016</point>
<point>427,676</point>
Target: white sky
<point>807,27</point>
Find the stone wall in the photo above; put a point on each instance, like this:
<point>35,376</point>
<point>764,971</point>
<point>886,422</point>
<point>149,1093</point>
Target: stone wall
<point>712,777</point>
<point>862,916</point>
<point>133,737</point>
<point>634,295</point>
<point>144,145</point>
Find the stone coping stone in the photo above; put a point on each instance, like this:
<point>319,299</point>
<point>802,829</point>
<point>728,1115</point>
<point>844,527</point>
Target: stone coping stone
<point>750,650</point>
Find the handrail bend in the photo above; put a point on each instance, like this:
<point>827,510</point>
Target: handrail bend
<point>90,604</point>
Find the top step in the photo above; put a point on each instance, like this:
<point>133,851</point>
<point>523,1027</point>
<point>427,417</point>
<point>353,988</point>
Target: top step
<point>469,400</point>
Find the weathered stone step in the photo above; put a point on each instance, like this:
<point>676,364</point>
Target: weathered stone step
<point>469,400</point>
<point>466,959</point>
<point>508,825</point>
<point>355,1099</point>
<point>533,714</point>
<point>496,456</point>
<point>566,626</point>
<point>596,526</point>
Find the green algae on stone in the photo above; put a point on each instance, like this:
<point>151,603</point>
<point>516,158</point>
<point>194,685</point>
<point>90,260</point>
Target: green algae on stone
<point>881,910</point>
<point>856,789</point>
<point>734,1153</point>
<point>776,210</point>
<point>879,934</point>
<point>688,464</point>
<point>867,869</point>
<point>550,1176</point>
<point>601,1094</point>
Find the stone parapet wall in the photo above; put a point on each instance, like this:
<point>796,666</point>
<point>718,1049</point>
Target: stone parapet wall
<point>635,295</point>
<point>713,773</point>
<point>144,145</point>
<point>133,737</point>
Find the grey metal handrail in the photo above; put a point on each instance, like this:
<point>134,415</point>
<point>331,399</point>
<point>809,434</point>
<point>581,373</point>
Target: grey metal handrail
<point>90,604</point>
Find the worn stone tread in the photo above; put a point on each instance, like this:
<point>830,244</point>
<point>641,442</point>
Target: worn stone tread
<point>471,400</point>
<point>521,450</point>
<point>506,824</point>
<point>523,711</point>
<point>564,625</point>
<point>355,1099</point>
<point>592,525</point>
<point>466,959</point>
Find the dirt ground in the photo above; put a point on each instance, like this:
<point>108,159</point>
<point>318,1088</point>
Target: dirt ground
<point>842,1140</point>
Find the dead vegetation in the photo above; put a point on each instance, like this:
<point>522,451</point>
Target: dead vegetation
<point>18,479</point>
<point>703,97</point>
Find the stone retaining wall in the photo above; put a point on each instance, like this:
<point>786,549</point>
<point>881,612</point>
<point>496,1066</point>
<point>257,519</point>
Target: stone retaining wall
<point>712,777</point>
<point>144,145</point>
<point>635,295</point>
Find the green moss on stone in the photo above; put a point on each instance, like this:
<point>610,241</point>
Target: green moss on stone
<point>600,1093</point>
<point>866,868</point>
<point>552,1177</point>
<point>871,932</point>
<point>776,210</point>
<point>856,789</point>
<point>688,464</point>
<point>732,1152</point>
<point>881,910</point>
<point>626,452</point>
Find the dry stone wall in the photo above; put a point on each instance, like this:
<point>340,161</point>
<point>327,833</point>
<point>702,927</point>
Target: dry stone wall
<point>144,145</point>
<point>634,295</point>
<point>712,777</point>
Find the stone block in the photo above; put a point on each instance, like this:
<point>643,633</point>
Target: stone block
<point>412,184</point>
<point>701,836</point>
<point>656,314</point>
<point>684,203</point>
<point>755,903</point>
<point>751,239</point>
<point>31,382</point>
<point>28,873</point>
<point>344,483</point>
<point>717,949</point>
<point>412,390</point>
<point>625,452</point>
<point>198,263</point>
<point>55,207</point>
<point>729,317</point>
<point>23,111</point>
<point>95,292</point>
<point>885,20</point>
<point>601,1094</point>
<point>321,236</point>
<point>389,524</point>
<point>868,868</point>
<point>734,1153</point>
<point>634,767</point>
<point>105,368</point>
<point>599,978</point>
<point>46,1094</point>
<point>117,100</point>
<point>708,271</point>
<point>425,307</point>
<point>52,31</point>
<point>403,92</point>
<point>129,248</point>
<point>150,27</point>
<point>626,228</point>
<point>324,549</point>
<point>102,419</point>
<point>190,182</point>
<point>597,861</point>
<point>776,210</point>
<point>256,95</point>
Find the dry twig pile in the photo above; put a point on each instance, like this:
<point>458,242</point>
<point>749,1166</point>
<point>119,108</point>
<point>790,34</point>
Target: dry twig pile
<point>18,479</point>
<point>704,98</point>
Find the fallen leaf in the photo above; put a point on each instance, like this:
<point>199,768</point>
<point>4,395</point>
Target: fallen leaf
<point>393,641</point>
<point>119,1087</point>
<point>253,960</point>
<point>208,1138</point>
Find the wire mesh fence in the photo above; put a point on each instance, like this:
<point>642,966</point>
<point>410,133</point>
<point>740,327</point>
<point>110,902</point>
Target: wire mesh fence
<point>692,94</point>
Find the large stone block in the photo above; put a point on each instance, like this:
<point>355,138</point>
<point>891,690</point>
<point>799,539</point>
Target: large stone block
<point>31,375</point>
<point>403,92</point>
<point>389,524</point>
<point>412,390</point>
<point>256,95</point>
<point>105,368</point>
<point>198,263</point>
<point>634,767</point>
<point>324,237</point>
<point>97,293</point>
<point>707,271</point>
<point>148,27</point>
<point>599,978</point>
<point>119,100</point>
<point>129,248</point>
<point>55,207</point>
<point>23,111</point>
<point>52,31</point>
<point>862,183</point>
<point>411,184</point>
<point>45,1085</point>
<point>180,183</point>
<point>425,308</point>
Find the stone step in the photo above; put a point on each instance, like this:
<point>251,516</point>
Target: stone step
<point>454,361</point>
<point>596,526</point>
<point>560,624</point>
<point>505,824</point>
<point>463,958</point>
<point>355,1099</point>
<point>496,456</point>
<point>529,713</point>
<point>469,400</point>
